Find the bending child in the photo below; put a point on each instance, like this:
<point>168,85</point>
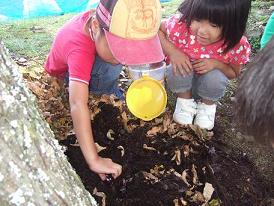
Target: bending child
<point>205,46</point>
<point>90,50</point>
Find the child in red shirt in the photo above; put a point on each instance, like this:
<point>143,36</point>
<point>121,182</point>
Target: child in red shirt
<point>205,45</point>
<point>91,49</point>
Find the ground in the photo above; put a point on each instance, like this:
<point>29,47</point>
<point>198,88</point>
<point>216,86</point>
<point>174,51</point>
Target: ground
<point>163,164</point>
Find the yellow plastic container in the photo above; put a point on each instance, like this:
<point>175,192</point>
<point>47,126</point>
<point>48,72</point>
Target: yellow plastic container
<point>146,98</point>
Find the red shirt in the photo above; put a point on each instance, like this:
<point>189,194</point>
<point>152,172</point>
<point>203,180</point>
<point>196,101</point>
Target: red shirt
<point>184,39</point>
<point>72,51</point>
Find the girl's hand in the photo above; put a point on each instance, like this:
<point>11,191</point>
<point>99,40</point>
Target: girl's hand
<point>180,63</point>
<point>104,166</point>
<point>202,66</point>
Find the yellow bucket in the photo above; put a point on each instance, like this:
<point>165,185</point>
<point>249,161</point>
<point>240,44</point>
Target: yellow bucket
<point>146,98</point>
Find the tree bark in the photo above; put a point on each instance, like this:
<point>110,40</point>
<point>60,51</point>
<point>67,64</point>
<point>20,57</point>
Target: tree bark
<point>34,169</point>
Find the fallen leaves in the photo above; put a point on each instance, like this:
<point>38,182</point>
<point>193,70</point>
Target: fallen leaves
<point>36,88</point>
<point>145,147</point>
<point>53,101</point>
<point>148,176</point>
<point>179,202</point>
<point>100,194</point>
<point>177,156</point>
<point>208,191</point>
<point>153,131</point>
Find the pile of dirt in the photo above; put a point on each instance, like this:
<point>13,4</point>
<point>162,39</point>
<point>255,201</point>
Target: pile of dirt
<point>165,164</point>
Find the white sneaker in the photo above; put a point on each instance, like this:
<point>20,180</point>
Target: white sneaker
<point>205,115</point>
<point>184,111</point>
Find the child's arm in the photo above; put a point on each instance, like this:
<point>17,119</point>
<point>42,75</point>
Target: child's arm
<point>202,66</point>
<point>78,98</point>
<point>180,62</point>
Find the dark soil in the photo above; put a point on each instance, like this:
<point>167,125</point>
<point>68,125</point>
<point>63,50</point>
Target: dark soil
<point>151,177</point>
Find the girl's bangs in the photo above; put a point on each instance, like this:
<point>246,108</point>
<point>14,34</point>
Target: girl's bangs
<point>203,10</point>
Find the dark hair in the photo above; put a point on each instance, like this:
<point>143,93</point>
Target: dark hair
<point>255,96</point>
<point>230,15</point>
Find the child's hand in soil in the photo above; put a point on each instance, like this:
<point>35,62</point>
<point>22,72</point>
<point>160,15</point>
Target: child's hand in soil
<point>180,63</point>
<point>202,66</point>
<point>105,166</point>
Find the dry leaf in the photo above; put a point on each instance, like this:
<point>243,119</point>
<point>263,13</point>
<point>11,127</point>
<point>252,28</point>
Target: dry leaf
<point>209,135</point>
<point>55,85</point>
<point>201,133</point>
<point>122,150</point>
<point>184,177</point>
<point>109,134</point>
<point>198,197</point>
<point>94,112</point>
<point>186,150</point>
<point>100,194</point>
<point>36,88</point>
<point>149,148</point>
<point>125,121</point>
<point>124,116</point>
<point>99,148</point>
<point>158,170</point>
<point>153,131</point>
<point>149,176</point>
<point>195,175</point>
<point>142,123</point>
<point>105,98</point>
<point>172,128</point>
<point>177,156</point>
<point>176,202</point>
<point>118,104</point>
<point>158,120</point>
<point>167,121</point>
<point>208,191</point>
<point>179,202</point>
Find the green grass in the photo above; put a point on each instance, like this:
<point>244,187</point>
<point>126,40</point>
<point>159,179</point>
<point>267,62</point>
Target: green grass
<point>170,7</point>
<point>31,38</point>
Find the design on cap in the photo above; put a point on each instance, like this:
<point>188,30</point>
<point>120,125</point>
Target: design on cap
<point>142,16</point>
<point>130,19</point>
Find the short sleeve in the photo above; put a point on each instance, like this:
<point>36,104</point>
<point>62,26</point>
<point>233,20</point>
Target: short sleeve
<point>239,55</point>
<point>171,23</point>
<point>80,65</point>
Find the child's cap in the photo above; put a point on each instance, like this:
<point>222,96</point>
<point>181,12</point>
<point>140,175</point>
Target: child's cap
<point>131,28</point>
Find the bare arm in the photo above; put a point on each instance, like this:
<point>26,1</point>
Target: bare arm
<point>78,98</point>
<point>178,59</point>
<point>167,46</point>
<point>202,66</point>
<point>231,71</point>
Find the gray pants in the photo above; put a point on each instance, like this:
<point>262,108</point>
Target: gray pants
<point>209,86</point>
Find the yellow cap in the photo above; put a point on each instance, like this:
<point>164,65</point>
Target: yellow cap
<point>146,98</point>
<point>131,29</point>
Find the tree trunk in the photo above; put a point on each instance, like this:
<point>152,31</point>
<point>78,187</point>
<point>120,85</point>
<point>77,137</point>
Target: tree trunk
<point>34,170</point>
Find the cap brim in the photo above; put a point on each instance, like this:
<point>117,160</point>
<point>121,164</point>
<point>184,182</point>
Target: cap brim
<point>135,52</point>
